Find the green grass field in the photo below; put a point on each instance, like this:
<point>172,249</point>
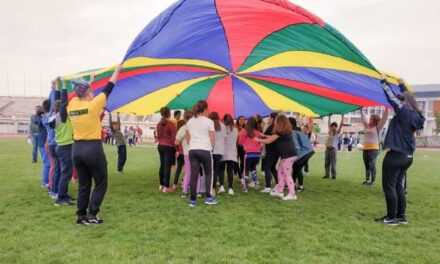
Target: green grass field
<point>331,223</point>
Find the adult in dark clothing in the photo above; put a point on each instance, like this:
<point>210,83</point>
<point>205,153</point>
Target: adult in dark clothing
<point>400,143</point>
<point>271,157</point>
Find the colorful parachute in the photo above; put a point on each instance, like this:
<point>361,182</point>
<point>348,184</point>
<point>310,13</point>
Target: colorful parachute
<point>244,57</point>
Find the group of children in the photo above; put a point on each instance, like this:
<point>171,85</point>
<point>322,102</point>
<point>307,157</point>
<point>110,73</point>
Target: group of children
<point>207,147</point>
<point>52,135</point>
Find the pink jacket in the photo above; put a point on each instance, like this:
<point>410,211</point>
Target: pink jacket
<point>250,145</point>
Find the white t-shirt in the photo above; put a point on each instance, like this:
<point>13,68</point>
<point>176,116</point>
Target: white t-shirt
<point>199,128</point>
<point>180,136</point>
<point>219,146</point>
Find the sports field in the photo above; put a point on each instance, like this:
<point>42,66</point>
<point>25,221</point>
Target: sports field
<point>332,222</point>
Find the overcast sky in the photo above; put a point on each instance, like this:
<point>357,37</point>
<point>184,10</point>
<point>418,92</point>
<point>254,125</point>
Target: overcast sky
<point>45,38</point>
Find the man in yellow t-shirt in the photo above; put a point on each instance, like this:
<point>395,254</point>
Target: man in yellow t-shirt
<point>88,154</point>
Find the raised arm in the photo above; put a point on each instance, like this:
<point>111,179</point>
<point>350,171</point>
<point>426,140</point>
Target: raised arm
<point>392,98</point>
<point>118,119</point>
<point>109,88</point>
<point>341,125</point>
<point>364,118</point>
<point>383,120</point>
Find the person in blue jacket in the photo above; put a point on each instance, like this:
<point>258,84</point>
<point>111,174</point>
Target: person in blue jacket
<point>400,144</point>
<point>304,149</point>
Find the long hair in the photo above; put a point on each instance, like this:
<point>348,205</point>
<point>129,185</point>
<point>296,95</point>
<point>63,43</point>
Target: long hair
<point>251,126</point>
<point>216,118</point>
<point>180,124</point>
<point>199,108</point>
<point>294,123</point>
<point>239,127</point>
<point>229,122</point>
<point>165,113</point>
<point>411,101</point>
<point>282,125</point>
<point>187,115</point>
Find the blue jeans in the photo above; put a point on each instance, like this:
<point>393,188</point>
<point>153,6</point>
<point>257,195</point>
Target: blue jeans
<point>64,154</point>
<point>56,169</point>
<point>46,165</point>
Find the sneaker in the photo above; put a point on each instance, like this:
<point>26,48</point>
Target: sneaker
<point>402,220</point>
<point>387,221</point>
<point>266,190</point>
<point>52,195</point>
<point>290,197</point>
<point>93,219</point>
<point>231,192</point>
<point>221,189</point>
<point>300,189</point>
<point>365,183</point>
<point>252,184</point>
<point>333,178</point>
<point>325,177</point>
<point>199,195</point>
<point>211,201</point>
<point>184,195</point>
<point>82,220</point>
<point>276,194</point>
<point>245,190</point>
<point>160,188</point>
<point>192,203</point>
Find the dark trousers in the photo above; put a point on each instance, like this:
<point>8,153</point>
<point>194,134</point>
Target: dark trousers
<point>306,167</point>
<point>166,162</point>
<point>330,162</point>
<point>229,166</point>
<point>35,143</point>
<point>370,157</point>
<point>241,153</point>
<point>251,165</point>
<point>297,172</point>
<point>56,168</point>
<point>217,169</point>
<point>180,163</point>
<point>394,170</point>
<point>122,157</point>
<point>199,158</point>
<point>270,168</point>
<point>91,164</point>
<point>65,156</point>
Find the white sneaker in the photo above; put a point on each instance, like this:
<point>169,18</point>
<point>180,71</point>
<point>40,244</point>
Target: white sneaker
<point>252,185</point>
<point>290,198</point>
<point>266,190</point>
<point>231,192</point>
<point>221,189</point>
<point>276,194</point>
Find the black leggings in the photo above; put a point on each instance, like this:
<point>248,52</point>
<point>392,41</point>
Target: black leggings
<point>166,154</point>
<point>394,170</point>
<point>180,163</point>
<point>270,168</point>
<point>229,166</point>
<point>199,158</point>
<point>370,157</point>
<point>217,170</point>
<point>240,167</point>
<point>91,164</point>
<point>297,172</point>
